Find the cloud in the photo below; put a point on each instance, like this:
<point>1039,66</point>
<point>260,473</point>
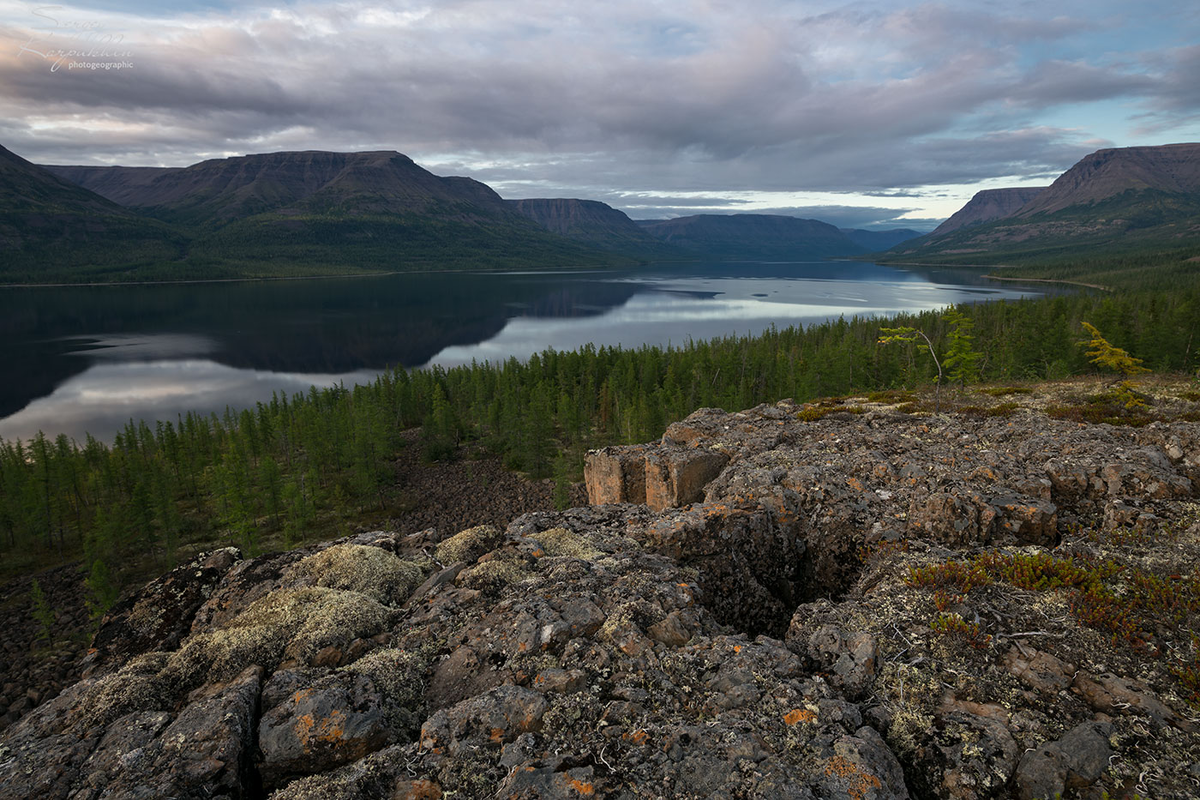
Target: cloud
<point>546,97</point>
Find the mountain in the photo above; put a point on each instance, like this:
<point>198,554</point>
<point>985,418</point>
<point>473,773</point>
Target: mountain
<point>1140,203</point>
<point>221,190</point>
<point>1172,169</point>
<point>754,236</point>
<point>987,206</point>
<point>880,240</point>
<point>594,223</point>
<point>316,212</point>
<point>49,224</point>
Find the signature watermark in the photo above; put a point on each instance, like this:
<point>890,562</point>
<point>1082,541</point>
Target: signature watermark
<point>74,44</point>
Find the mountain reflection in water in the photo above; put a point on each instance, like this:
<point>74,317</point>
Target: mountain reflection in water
<point>89,359</point>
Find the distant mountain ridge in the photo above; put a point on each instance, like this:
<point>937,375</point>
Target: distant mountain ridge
<point>1169,168</point>
<point>310,212</point>
<point>880,240</point>
<point>593,223</point>
<point>754,236</point>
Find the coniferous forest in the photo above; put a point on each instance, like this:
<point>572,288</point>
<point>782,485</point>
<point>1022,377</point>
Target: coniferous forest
<point>303,466</point>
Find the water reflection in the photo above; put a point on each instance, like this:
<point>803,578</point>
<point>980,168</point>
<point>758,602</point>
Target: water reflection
<point>102,398</point>
<point>91,358</point>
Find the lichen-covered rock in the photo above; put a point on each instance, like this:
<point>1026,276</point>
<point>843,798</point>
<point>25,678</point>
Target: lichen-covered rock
<point>497,716</point>
<point>337,719</point>
<point>372,571</point>
<point>1075,761</point>
<point>160,616</point>
<point>918,569</point>
<point>468,545</point>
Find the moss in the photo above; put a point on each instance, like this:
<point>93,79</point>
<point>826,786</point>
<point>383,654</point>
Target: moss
<point>372,571</point>
<point>494,575</point>
<point>468,545</point>
<point>562,542</point>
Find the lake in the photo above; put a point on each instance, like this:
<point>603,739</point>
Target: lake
<point>89,359</point>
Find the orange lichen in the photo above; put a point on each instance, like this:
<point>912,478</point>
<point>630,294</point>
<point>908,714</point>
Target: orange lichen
<point>797,715</point>
<point>857,783</point>
<point>330,730</point>
<point>640,737</point>
<point>582,788</point>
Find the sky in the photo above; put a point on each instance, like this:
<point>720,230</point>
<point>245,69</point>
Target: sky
<point>862,114</point>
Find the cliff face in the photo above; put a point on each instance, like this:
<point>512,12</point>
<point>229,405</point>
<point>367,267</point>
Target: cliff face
<point>987,206</point>
<point>782,602</point>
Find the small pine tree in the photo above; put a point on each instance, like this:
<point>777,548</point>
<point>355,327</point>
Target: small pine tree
<point>1103,354</point>
<point>102,592</point>
<point>43,614</point>
<point>962,359</point>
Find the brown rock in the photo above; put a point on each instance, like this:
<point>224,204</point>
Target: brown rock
<point>615,475</point>
<point>676,476</point>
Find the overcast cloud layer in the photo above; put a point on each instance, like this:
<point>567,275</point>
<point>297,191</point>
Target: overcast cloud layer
<point>882,113</point>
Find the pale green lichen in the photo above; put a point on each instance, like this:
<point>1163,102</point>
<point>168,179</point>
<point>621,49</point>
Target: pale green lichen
<point>138,686</point>
<point>562,542</point>
<point>371,571</point>
<point>494,575</point>
<point>399,675</point>
<point>295,623</point>
<point>468,545</point>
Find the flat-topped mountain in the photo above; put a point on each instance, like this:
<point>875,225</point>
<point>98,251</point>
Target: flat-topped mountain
<point>1116,204</point>
<point>224,189</point>
<point>47,222</point>
<point>314,212</point>
<point>988,205</point>
<point>593,223</point>
<point>754,236</point>
<point>1170,168</point>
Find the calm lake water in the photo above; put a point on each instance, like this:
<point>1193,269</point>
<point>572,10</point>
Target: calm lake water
<point>88,359</point>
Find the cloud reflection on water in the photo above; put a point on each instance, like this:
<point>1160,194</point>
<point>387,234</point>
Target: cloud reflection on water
<point>103,398</point>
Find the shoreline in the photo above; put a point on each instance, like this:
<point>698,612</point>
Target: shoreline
<point>993,276</point>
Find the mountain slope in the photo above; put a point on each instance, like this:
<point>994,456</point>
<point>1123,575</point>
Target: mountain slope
<point>754,236</point>
<point>1170,169</point>
<point>1140,203</point>
<point>48,224</point>
<point>988,205</point>
<point>593,223</point>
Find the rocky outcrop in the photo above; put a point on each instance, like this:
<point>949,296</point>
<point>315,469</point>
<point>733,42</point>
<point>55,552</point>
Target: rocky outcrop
<point>813,609</point>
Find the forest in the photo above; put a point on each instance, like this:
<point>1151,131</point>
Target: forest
<point>310,465</point>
